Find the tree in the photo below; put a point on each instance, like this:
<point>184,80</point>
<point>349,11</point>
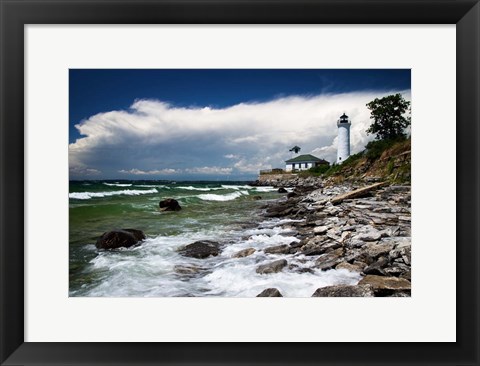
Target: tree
<point>389,116</point>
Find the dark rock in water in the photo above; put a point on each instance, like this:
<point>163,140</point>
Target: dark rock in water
<point>270,292</point>
<point>169,204</point>
<point>272,267</point>
<point>278,249</point>
<point>244,253</point>
<point>282,190</point>
<point>119,238</point>
<point>187,270</point>
<point>344,291</point>
<point>256,198</point>
<point>291,194</point>
<point>201,249</point>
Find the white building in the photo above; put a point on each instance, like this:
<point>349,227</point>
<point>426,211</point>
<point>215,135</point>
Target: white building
<point>303,162</point>
<point>343,151</point>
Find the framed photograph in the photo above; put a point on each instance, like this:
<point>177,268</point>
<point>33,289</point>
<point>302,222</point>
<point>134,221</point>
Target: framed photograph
<point>168,168</point>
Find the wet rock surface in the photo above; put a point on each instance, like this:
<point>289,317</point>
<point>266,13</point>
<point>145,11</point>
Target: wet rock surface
<point>272,267</point>
<point>244,253</point>
<point>201,249</point>
<point>270,292</point>
<point>123,238</point>
<point>169,204</point>
<point>344,291</point>
<point>364,229</point>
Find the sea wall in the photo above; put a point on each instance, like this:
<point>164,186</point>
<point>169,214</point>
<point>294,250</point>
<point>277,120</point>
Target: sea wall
<point>287,180</point>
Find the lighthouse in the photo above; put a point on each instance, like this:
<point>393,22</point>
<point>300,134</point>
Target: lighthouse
<point>343,151</point>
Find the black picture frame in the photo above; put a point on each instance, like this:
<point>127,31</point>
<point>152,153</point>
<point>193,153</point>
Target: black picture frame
<point>17,13</point>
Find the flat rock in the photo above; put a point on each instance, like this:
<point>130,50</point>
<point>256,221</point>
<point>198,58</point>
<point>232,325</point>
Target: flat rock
<point>381,283</point>
<point>270,292</point>
<point>320,230</point>
<point>201,249</point>
<point>329,260</point>
<point>344,291</point>
<point>375,250</point>
<point>368,236</point>
<point>349,267</point>
<point>272,267</point>
<point>244,253</point>
<point>278,249</point>
<point>187,270</point>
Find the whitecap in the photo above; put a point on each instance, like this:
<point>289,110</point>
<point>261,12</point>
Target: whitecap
<point>191,188</point>
<point>220,197</point>
<point>127,192</point>
<point>228,186</point>
<point>117,184</point>
<point>266,189</point>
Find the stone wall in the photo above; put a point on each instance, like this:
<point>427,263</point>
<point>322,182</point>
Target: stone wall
<point>263,178</point>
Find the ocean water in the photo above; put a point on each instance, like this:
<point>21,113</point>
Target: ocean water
<point>225,212</point>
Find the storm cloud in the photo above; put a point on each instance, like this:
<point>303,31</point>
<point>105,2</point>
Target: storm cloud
<point>157,140</point>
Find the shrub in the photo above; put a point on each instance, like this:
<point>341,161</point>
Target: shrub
<point>374,149</point>
<point>320,169</point>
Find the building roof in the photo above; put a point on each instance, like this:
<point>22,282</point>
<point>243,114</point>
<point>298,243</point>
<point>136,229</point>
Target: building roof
<point>305,159</point>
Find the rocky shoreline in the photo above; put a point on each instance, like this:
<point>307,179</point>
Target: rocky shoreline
<point>363,229</point>
<point>357,227</point>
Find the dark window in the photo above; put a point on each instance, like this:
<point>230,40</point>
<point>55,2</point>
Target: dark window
<point>293,166</point>
<point>340,158</point>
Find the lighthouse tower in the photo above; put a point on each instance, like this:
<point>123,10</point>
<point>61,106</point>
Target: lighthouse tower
<point>343,151</point>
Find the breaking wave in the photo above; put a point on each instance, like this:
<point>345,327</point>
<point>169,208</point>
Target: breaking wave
<point>127,192</point>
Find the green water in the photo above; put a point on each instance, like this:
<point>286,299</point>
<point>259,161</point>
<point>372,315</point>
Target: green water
<point>100,206</point>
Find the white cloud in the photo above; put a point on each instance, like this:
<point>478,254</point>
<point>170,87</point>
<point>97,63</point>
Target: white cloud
<point>149,172</point>
<point>209,170</point>
<point>196,139</point>
<point>80,170</point>
<point>231,156</point>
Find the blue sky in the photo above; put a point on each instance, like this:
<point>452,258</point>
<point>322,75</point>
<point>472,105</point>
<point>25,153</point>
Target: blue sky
<point>213,124</point>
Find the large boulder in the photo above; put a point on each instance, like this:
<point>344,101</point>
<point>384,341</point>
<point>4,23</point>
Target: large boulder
<point>272,267</point>
<point>170,204</point>
<point>201,249</point>
<point>344,291</point>
<point>282,190</point>
<point>123,238</point>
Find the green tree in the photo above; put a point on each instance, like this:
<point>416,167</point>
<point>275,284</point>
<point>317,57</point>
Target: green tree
<point>391,115</point>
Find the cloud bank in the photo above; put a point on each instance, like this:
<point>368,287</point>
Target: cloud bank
<point>156,139</point>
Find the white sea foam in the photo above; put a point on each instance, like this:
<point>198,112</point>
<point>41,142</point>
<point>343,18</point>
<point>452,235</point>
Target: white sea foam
<point>266,189</point>
<point>149,269</point>
<point>127,192</point>
<point>151,185</point>
<point>191,188</point>
<point>222,197</point>
<point>231,186</point>
<point>117,184</point>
